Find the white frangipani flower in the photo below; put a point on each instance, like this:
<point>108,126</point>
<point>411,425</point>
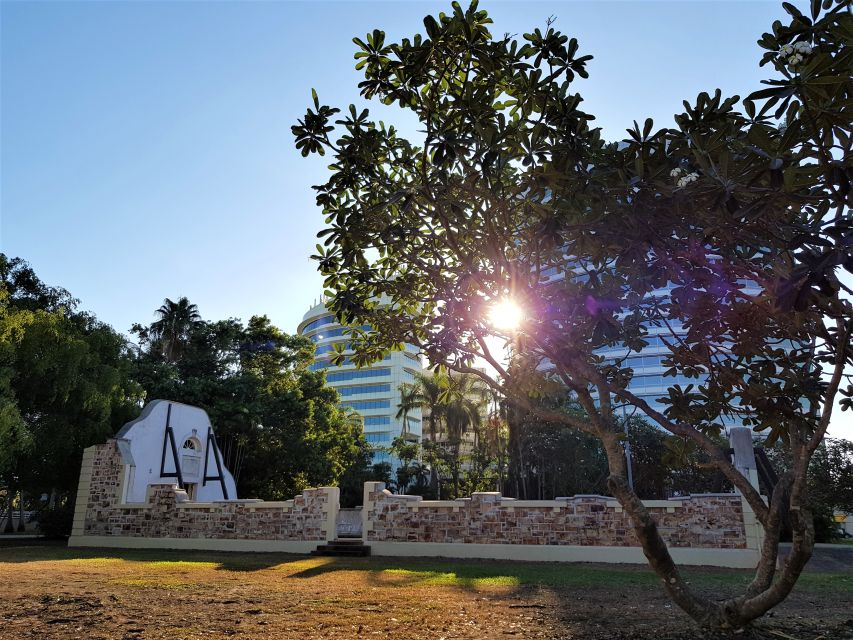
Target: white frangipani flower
<point>690,177</point>
<point>794,54</point>
<point>675,172</point>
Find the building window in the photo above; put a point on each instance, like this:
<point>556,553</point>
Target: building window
<point>369,388</point>
<point>319,322</point>
<point>376,421</point>
<point>342,376</point>
<point>327,348</point>
<point>334,333</point>
<point>325,364</point>
<point>367,404</point>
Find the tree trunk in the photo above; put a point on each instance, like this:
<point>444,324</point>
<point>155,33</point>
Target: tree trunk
<point>762,595</point>
<point>433,472</point>
<point>514,468</point>
<point>10,496</point>
<point>21,526</point>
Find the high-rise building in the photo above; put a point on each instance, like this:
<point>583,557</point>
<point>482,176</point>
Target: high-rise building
<point>649,382</point>
<point>373,391</point>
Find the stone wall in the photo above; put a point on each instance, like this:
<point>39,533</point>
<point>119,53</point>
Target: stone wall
<point>167,512</point>
<point>709,529</point>
<point>714,521</point>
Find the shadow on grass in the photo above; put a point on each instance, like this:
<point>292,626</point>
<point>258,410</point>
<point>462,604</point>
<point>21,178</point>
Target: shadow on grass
<point>389,571</point>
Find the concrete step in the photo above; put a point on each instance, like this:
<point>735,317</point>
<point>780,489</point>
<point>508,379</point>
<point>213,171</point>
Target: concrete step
<point>352,548</point>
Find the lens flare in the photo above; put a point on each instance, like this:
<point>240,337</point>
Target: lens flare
<point>505,315</point>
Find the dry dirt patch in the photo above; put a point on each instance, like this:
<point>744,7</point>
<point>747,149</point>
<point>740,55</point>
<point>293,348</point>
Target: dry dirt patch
<point>61,593</point>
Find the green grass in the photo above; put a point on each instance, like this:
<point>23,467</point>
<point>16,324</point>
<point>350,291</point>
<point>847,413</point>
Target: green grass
<point>452,578</point>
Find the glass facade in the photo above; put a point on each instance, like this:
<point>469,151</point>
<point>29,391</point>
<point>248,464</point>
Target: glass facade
<point>648,381</point>
<point>361,405</point>
<point>372,391</point>
<point>325,364</point>
<point>356,374</point>
<point>368,388</point>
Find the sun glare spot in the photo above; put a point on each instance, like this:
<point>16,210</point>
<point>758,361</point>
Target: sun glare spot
<point>506,315</point>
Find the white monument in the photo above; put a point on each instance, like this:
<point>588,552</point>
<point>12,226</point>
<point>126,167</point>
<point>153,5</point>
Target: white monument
<point>172,442</point>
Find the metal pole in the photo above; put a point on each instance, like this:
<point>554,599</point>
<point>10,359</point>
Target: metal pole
<point>629,464</point>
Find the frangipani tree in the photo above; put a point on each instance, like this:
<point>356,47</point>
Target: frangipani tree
<point>724,235</point>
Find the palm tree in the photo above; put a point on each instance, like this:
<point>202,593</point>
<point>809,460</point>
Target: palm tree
<point>464,401</point>
<point>409,401</point>
<point>426,392</point>
<point>171,331</point>
<point>456,401</point>
<point>494,444</point>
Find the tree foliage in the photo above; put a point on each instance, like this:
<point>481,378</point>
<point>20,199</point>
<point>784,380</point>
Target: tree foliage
<point>253,380</point>
<point>453,407</point>
<point>723,234</point>
<point>830,483</point>
<point>66,383</point>
<point>171,332</point>
<point>550,459</point>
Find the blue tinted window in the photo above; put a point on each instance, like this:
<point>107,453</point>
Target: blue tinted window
<point>341,376</point>
<point>334,333</point>
<point>367,404</point>
<point>319,322</point>
<point>376,421</point>
<point>325,364</point>
<point>326,348</point>
<point>370,388</point>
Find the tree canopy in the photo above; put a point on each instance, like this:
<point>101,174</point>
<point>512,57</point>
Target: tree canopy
<point>66,382</point>
<point>722,234</point>
<point>280,426</point>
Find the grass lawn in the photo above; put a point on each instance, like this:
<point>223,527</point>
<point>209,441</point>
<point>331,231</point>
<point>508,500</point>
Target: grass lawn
<point>54,592</point>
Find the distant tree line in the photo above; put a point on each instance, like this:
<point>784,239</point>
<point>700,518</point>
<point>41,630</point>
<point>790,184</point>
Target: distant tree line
<point>475,441</point>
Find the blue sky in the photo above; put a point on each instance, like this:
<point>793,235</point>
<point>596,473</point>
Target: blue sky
<point>146,146</point>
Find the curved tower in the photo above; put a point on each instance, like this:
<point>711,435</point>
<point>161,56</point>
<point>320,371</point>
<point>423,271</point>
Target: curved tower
<point>374,391</point>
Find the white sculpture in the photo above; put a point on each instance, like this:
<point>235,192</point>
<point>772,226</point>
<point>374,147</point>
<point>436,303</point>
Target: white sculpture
<point>172,442</point>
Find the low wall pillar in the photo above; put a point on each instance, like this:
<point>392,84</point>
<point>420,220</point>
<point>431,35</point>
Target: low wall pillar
<point>330,509</point>
<point>369,507</point>
<point>84,486</point>
<point>743,450</point>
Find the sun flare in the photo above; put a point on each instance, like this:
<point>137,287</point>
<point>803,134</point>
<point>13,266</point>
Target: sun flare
<point>506,315</point>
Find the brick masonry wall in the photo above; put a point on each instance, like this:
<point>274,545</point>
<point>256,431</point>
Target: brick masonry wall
<point>703,521</point>
<point>718,521</point>
<point>168,514</point>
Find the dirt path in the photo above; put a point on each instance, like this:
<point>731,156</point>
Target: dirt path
<point>130,595</point>
<point>826,557</point>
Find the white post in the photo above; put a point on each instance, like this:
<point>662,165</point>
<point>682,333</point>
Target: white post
<point>744,461</point>
<point>744,454</point>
